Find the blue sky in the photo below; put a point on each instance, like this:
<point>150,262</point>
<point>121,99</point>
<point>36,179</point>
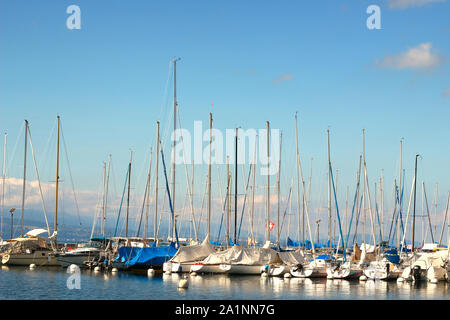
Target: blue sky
<point>108,80</point>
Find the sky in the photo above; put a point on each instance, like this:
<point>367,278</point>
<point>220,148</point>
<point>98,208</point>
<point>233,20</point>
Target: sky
<point>247,63</point>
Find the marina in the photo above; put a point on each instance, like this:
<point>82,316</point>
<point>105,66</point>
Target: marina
<point>224,152</point>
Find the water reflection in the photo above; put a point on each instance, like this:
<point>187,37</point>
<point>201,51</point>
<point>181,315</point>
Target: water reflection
<point>51,284</point>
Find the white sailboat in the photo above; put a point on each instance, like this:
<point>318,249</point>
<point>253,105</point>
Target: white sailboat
<point>31,248</point>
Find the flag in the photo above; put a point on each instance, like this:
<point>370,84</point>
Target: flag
<point>271,225</point>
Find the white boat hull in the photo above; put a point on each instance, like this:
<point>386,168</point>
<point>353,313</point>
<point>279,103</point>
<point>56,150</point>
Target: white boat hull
<point>344,273</point>
<point>207,268</point>
<point>174,267</point>
<point>278,271</point>
<point>436,273</point>
<point>67,260</point>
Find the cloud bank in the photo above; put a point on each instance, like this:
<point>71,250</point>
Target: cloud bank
<point>420,58</point>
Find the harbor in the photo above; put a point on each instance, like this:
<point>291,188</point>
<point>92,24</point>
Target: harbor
<point>257,157</point>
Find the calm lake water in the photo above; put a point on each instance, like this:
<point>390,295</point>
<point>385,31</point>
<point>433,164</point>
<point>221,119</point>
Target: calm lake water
<point>51,283</point>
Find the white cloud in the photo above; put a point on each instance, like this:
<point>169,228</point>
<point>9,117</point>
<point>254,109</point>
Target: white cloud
<point>283,77</point>
<point>404,4</point>
<point>419,57</point>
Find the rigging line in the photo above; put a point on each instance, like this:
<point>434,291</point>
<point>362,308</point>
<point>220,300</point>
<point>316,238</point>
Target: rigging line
<point>337,213</point>
<point>285,210</point>
<point>121,201</point>
<point>96,215</point>
<point>97,206</point>
<point>357,221</point>
<point>393,215</point>
<point>223,211</point>
<point>13,154</point>
<point>355,200</point>
<point>351,217</point>
<point>70,174</point>
<point>202,207</point>
<point>188,179</point>
<point>170,200</point>
<point>147,187</point>
<point>428,212</point>
<point>46,153</point>
<point>407,214</point>
<point>245,199</point>
<point>39,183</point>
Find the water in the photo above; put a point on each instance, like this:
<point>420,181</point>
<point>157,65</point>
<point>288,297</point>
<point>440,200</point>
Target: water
<point>51,283</point>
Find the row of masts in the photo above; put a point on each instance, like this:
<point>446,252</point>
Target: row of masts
<point>303,208</point>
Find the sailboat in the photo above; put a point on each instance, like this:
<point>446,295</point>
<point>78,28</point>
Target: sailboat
<point>32,248</point>
<point>89,253</point>
<point>188,256</point>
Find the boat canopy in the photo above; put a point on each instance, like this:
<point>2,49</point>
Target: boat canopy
<point>153,255</point>
<point>292,257</point>
<point>126,253</point>
<point>35,232</point>
<point>194,252</point>
<point>243,256</point>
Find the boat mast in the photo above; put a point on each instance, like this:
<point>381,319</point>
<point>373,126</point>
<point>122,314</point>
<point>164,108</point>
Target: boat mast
<point>128,195</point>
<point>414,207</point>
<point>235,185</point>
<point>24,177</point>
<point>400,196</point>
<point>253,194</point>
<point>209,173</point>
<point>103,200</point>
<point>382,199</point>
<point>3,184</point>
<point>57,180</point>
<point>364,188</point>
<point>268,186</point>
<point>329,190</point>
<point>175,104</point>
<point>228,201</point>
<point>155,226</point>
<point>278,196</point>
<point>298,188</point>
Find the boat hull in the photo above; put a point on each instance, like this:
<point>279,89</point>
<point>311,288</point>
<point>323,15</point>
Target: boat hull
<point>207,268</point>
<point>66,260</point>
<point>39,258</point>
<point>344,273</point>
<point>242,269</point>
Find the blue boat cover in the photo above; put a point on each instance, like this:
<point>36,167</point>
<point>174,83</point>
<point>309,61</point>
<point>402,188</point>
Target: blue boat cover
<point>308,244</point>
<point>324,256</point>
<point>394,258</point>
<point>153,256</point>
<point>126,253</point>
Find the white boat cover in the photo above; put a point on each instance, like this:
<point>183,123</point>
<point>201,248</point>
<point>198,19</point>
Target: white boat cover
<point>367,248</point>
<point>243,256</point>
<point>35,232</point>
<point>194,252</point>
<point>435,259</point>
<point>292,258</point>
